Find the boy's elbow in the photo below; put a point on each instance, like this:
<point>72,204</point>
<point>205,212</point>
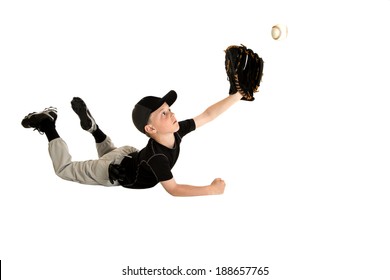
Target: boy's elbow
<point>171,192</point>
<point>170,187</point>
<point>208,116</point>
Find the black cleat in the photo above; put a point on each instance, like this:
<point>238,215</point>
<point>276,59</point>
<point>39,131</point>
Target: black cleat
<point>34,120</point>
<point>87,122</point>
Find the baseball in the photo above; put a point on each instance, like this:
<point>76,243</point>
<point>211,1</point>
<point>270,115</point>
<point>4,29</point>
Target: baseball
<point>279,32</point>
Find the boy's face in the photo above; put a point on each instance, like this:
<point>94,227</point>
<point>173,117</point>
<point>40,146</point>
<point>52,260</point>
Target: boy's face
<point>162,121</point>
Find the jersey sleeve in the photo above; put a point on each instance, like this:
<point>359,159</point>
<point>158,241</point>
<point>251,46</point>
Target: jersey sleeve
<point>186,127</point>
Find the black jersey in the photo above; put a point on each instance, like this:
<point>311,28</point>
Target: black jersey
<point>154,163</point>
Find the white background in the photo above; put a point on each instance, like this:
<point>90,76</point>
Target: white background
<point>306,164</point>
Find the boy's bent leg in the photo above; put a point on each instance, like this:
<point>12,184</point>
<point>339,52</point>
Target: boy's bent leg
<point>91,172</point>
<point>104,144</point>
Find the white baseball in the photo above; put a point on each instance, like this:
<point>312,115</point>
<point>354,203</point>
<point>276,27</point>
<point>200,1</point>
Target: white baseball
<point>279,32</point>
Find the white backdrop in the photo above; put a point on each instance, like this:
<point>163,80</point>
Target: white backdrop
<point>306,164</point>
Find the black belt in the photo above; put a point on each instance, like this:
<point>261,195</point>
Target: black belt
<point>125,172</point>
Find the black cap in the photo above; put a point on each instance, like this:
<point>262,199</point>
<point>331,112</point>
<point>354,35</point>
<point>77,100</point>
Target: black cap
<point>148,105</point>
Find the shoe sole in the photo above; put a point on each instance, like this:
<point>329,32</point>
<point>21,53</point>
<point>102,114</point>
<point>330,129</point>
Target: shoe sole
<point>80,108</point>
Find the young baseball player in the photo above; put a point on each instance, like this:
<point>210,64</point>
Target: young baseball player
<point>128,166</point>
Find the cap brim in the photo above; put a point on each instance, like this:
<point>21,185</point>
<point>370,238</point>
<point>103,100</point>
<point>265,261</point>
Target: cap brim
<point>169,98</point>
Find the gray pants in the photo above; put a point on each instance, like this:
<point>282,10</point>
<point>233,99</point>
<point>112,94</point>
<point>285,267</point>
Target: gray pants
<point>91,172</point>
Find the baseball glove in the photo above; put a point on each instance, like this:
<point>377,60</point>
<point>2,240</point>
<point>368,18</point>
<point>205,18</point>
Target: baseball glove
<point>244,69</point>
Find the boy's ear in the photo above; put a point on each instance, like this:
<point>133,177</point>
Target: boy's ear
<point>150,129</point>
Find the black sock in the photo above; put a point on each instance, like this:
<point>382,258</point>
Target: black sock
<point>99,135</point>
<point>49,128</point>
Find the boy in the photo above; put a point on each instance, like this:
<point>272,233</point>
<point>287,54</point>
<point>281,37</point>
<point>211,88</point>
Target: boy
<point>126,165</point>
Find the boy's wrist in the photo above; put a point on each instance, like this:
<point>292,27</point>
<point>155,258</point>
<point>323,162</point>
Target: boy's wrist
<point>209,190</point>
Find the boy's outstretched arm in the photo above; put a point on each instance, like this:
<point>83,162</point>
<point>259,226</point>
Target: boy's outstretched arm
<point>175,189</point>
<point>218,185</point>
<point>216,109</point>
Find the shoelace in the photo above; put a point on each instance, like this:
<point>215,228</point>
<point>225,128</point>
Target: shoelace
<point>51,108</point>
<point>40,132</point>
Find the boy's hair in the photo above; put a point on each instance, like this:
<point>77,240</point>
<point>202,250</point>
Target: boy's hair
<point>148,105</point>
